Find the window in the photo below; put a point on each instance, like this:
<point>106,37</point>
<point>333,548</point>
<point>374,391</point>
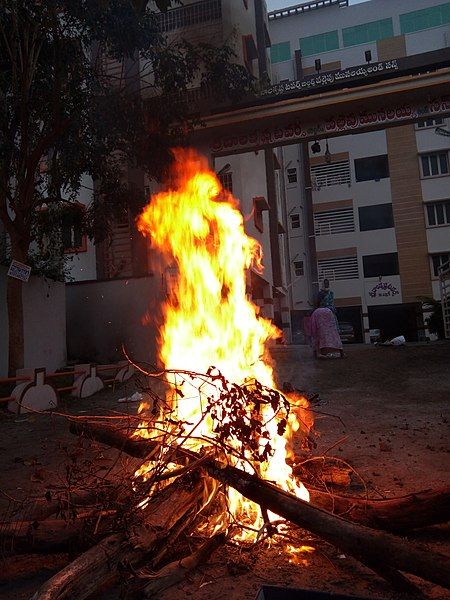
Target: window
<point>438,213</point>
<point>280,52</point>
<point>368,32</point>
<point>430,123</point>
<point>434,164</point>
<point>338,269</point>
<point>440,260</point>
<point>73,239</point>
<point>329,222</point>
<point>328,174</point>
<point>226,179</point>
<point>292,175</point>
<point>323,42</point>
<point>299,268</point>
<point>295,221</point>
<point>380,264</point>
<point>372,168</point>
<point>375,217</point>
<point>425,18</point>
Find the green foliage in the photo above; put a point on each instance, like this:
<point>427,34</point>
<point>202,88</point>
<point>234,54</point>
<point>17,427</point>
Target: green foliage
<point>62,117</point>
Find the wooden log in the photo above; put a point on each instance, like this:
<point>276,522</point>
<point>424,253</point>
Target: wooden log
<point>99,564</point>
<point>421,509</point>
<point>371,547</point>
<point>63,501</point>
<point>176,571</point>
<point>117,436</point>
<point>50,535</point>
<point>402,514</point>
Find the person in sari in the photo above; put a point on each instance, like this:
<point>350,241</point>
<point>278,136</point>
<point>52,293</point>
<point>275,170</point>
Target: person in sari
<point>325,338</point>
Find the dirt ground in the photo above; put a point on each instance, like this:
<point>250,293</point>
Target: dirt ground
<point>384,410</point>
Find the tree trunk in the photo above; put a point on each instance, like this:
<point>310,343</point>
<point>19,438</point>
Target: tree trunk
<point>15,312</point>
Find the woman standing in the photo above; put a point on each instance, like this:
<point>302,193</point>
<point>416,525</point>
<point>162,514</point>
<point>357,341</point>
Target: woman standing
<point>324,325</point>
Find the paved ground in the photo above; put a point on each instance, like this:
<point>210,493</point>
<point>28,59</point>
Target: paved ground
<point>387,413</point>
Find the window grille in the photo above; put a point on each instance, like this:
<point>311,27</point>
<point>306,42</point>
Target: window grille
<point>328,174</point>
<point>338,269</point>
<point>438,213</point>
<point>295,221</point>
<point>226,179</point>
<point>430,123</point>
<point>440,261</point>
<point>190,15</point>
<point>434,164</point>
<point>292,175</point>
<point>299,268</point>
<point>330,222</point>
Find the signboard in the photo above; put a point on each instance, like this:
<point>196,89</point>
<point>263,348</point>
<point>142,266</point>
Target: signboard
<point>384,289</point>
<point>19,271</point>
<point>297,131</point>
<point>320,80</point>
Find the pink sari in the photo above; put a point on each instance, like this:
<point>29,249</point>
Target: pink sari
<point>324,333</point>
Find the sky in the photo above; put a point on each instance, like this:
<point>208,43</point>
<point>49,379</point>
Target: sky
<point>274,4</point>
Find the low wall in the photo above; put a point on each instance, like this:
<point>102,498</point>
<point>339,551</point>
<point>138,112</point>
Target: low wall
<point>103,315</point>
<point>44,308</point>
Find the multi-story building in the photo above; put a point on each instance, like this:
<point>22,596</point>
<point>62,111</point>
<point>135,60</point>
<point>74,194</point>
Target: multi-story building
<point>370,212</point>
<point>254,179</point>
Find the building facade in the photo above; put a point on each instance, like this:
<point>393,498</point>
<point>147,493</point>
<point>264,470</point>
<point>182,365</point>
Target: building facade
<point>253,178</point>
<point>369,212</point>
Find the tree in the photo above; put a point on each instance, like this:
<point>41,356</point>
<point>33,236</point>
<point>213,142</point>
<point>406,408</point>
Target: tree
<point>62,115</point>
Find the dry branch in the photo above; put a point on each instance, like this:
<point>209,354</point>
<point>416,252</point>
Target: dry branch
<point>412,511</point>
<point>369,546</point>
<point>99,565</point>
<point>372,548</point>
<point>176,571</point>
<point>398,514</point>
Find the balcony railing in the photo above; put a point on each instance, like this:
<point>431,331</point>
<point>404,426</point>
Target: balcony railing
<point>328,174</point>
<point>190,15</point>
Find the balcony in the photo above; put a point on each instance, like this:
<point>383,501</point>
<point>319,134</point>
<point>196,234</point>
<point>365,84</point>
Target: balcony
<point>190,15</point>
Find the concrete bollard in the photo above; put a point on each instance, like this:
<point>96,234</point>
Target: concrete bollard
<point>86,382</point>
<point>33,395</point>
<point>125,372</point>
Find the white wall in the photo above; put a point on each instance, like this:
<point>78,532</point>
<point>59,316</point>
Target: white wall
<point>44,307</point>
<point>249,181</point>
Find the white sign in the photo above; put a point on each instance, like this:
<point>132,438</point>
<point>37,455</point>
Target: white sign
<point>384,289</point>
<point>19,271</point>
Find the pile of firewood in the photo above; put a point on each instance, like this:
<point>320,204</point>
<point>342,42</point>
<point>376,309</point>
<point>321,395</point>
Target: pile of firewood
<point>133,529</point>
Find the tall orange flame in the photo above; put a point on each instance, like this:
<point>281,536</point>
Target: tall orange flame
<point>209,319</point>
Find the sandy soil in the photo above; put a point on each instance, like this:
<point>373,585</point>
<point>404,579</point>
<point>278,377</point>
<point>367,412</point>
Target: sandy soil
<point>384,410</point>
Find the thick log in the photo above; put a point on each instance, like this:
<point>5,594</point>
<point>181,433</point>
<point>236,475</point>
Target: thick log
<point>117,436</point>
<point>402,514</point>
<point>98,565</point>
<point>63,502</point>
<point>51,535</point>
<point>412,511</point>
<point>371,547</point>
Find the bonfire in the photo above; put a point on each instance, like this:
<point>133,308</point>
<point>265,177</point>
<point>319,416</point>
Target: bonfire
<point>217,448</point>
